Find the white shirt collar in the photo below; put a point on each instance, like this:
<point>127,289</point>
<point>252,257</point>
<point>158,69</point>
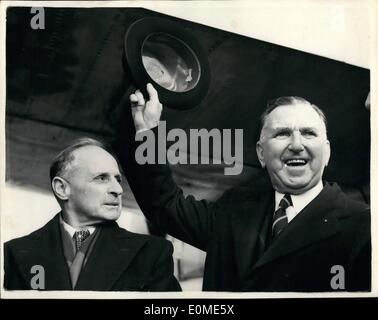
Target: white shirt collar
<point>299,201</point>
<point>71,230</point>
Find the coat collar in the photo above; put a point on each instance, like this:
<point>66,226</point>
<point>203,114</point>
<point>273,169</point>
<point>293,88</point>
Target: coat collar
<point>44,248</point>
<point>248,226</point>
<point>110,257</point>
<point>315,222</point>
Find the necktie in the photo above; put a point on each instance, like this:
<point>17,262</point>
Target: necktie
<point>80,237</point>
<point>280,220</point>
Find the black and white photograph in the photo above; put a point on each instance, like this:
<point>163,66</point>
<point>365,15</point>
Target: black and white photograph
<point>187,149</point>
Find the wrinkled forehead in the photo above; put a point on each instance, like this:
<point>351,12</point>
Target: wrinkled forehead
<point>294,116</point>
<point>93,159</point>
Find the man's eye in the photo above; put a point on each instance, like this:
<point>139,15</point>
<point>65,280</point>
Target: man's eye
<point>309,133</point>
<point>283,133</point>
<point>102,178</point>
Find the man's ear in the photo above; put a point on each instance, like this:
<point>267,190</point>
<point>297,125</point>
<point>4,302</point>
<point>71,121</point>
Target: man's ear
<point>327,153</point>
<point>61,188</point>
<point>260,153</point>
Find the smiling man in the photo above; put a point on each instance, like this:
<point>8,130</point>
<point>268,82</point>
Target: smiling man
<point>294,149</point>
<point>286,231</point>
<point>293,145</point>
<point>82,247</point>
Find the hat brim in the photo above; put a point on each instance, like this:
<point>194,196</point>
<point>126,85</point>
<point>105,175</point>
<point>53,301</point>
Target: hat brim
<point>135,38</point>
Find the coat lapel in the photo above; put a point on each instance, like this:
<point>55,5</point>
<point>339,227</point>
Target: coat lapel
<point>248,230</point>
<point>110,257</point>
<point>45,249</point>
<point>314,223</point>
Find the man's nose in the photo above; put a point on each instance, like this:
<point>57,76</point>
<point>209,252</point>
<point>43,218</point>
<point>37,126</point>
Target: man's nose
<point>115,188</point>
<point>296,144</point>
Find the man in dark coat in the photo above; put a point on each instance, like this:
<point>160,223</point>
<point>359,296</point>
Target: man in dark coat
<point>82,247</point>
<point>286,231</point>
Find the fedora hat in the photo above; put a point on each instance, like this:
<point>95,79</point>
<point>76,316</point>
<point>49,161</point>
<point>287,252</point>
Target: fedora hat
<point>164,53</point>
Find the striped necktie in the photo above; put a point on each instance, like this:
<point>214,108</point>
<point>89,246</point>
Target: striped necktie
<point>280,220</point>
<point>80,237</point>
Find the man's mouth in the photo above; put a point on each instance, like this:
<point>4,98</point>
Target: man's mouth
<point>112,204</point>
<point>295,162</point>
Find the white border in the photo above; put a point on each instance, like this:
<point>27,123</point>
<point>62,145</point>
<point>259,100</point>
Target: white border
<point>304,31</point>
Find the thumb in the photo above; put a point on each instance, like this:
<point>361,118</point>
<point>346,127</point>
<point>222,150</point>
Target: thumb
<point>153,107</point>
<point>152,93</point>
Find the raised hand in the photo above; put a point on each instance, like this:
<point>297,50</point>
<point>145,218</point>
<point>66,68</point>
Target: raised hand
<point>146,115</point>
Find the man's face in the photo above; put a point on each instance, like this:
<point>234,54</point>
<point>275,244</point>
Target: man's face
<point>294,148</point>
<point>95,191</point>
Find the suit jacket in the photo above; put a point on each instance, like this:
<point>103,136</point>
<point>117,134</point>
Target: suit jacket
<point>329,232</point>
<point>120,261</point>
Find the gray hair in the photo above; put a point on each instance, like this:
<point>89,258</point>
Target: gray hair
<point>61,162</point>
<point>289,101</point>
